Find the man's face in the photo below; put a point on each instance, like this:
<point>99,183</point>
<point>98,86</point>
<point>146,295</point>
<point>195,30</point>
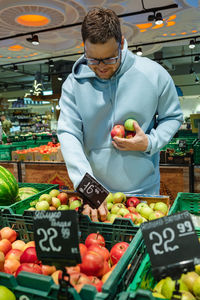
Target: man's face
<point>104,51</point>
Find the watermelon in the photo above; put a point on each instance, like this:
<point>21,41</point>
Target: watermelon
<point>26,192</point>
<point>8,187</point>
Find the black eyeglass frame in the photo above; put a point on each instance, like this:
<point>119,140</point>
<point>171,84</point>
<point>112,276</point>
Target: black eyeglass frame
<point>106,61</point>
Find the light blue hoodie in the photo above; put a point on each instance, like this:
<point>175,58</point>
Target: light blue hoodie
<point>91,106</point>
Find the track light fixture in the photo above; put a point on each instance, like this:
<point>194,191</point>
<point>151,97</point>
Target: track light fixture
<point>192,44</point>
<point>156,17</point>
<point>15,68</point>
<point>51,63</point>
<point>34,40</point>
<point>139,51</point>
<point>197,79</point>
<point>196,58</point>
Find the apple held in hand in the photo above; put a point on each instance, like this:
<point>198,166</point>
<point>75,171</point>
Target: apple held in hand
<point>129,125</point>
<point>118,130</point>
<point>132,202</point>
<point>117,251</point>
<point>130,134</point>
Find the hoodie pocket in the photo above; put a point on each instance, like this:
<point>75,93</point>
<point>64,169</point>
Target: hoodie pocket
<point>122,170</point>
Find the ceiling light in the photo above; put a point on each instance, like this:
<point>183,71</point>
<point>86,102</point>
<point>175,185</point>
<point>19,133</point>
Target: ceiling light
<point>158,19</point>
<point>34,40</point>
<point>15,68</point>
<point>196,59</point>
<point>192,44</point>
<point>60,78</point>
<point>51,63</point>
<point>139,51</point>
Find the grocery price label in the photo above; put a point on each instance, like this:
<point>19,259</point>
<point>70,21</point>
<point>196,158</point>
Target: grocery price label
<point>92,192</point>
<point>56,235</point>
<point>172,244</point>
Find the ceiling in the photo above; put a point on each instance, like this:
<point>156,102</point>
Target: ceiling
<point>58,29</point>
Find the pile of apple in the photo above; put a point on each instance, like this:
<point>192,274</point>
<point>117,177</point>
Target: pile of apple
<point>124,131</point>
<point>132,208</point>
<point>96,266</point>
<point>56,200</point>
<point>189,286</point>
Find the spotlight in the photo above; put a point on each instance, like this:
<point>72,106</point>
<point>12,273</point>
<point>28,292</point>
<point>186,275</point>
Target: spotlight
<point>158,19</point>
<point>192,44</point>
<point>139,51</point>
<point>196,59</point>
<point>34,40</point>
<point>51,63</point>
<point>60,77</point>
<point>15,68</point>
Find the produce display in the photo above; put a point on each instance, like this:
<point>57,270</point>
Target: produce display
<point>124,131</point>
<point>96,266</point>
<point>132,208</point>
<point>56,200</point>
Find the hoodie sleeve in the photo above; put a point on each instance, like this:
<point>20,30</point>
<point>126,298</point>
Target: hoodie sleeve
<point>169,118</point>
<point>70,135</point>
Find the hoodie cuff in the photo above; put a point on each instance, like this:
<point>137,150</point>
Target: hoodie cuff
<point>148,150</point>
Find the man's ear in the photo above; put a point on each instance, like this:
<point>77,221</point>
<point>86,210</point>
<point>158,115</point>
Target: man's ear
<point>122,43</point>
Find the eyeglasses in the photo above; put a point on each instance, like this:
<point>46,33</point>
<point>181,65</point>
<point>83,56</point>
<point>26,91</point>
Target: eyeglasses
<point>106,61</point>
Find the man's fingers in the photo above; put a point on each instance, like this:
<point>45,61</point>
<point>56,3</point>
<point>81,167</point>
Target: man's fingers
<point>94,216</point>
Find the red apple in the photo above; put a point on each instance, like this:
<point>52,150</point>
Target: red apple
<point>73,198</point>
<point>92,264</point>
<point>130,134</point>
<point>106,268</point>
<point>14,253</point>
<point>117,251</point>
<point>83,250</point>
<point>75,269</point>
<point>8,233</point>
<point>52,208</point>
<point>131,209</point>
<point>48,270</point>
<point>96,282</point>
<point>132,202</point>
<point>118,130</point>
<point>11,265</point>
<point>29,256</point>
<point>29,267</point>
<point>131,216</point>
<point>63,197</point>
<point>101,250</point>
<point>5,246</point>
<point>95,238</point>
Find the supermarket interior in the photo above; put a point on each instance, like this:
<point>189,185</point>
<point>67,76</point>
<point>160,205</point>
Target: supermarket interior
<point>51,245</point>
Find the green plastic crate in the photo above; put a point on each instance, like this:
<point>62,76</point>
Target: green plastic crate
<point>20,206</point>
<point>113,233</point>
<point>5,152</point>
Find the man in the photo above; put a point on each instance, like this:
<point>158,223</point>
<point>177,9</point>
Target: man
<point>109,85</point>
<point>6,124</point>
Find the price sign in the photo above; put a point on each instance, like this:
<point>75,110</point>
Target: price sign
<point>172,244</point>
<point>92,191</point>
<point>182,144</point>
<point>56,237</point>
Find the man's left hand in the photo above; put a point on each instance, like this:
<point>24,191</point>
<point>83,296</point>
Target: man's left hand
<point>137,143</point>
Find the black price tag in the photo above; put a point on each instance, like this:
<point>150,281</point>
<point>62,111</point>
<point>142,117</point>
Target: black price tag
<point>172,244</point>
<point>92,191</point>
<point>56,235</point>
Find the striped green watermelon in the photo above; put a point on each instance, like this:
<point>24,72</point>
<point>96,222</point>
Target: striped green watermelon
<point>25,192</point>
<point>8,187</point>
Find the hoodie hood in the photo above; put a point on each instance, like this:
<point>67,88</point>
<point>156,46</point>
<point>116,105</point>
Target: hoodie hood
<point>81,70</point>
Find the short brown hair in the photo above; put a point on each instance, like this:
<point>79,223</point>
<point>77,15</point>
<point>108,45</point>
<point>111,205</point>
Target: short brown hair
<point>100,25</point>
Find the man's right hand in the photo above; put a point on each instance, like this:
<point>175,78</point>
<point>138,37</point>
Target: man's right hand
<point>96,215</point>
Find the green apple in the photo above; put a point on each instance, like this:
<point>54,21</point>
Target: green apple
<point>55,202</point>
<point>119,197</point>
<point>109,205</point>
<point>116,207</point>
<point>45,197</point>
<point>63,207</point>
<point>161,206</point>
<point>140,205</point>
<point>123,211</point>
<point>156,215</point>
<point>189,278</point>
<point>196,287</point>
<point>54,193</point>
<point>75,204</point>
<point>42,205</point>
<point>109,198</point>
<point>129,125</point>
<point>112,217</point>
<point>152,205</point>
<point>146,211</point>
